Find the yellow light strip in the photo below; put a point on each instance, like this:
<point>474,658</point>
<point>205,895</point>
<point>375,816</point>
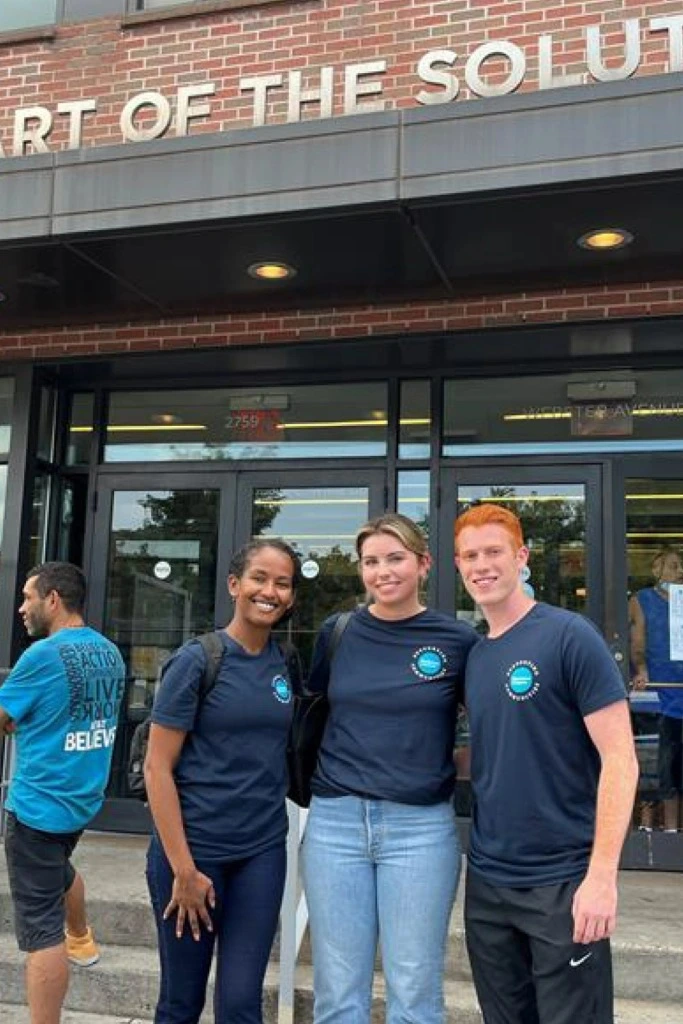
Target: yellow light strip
<point>310,501</point>
<point>516,416</point>
<point>526,497</point>
<point>325,424</point>
<point>657,497</point>
<point>139,428</point>
<point>566,415</point>
<point>652,536</point>
<point>314,425</point>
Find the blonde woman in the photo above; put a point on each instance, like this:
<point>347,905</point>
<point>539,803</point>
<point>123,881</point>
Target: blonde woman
<point>381,854</point>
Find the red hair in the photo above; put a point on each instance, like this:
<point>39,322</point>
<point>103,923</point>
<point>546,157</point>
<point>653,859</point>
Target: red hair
<point>487,514</point>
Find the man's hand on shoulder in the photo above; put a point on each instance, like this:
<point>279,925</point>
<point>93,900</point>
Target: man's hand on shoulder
<point>595,908</point>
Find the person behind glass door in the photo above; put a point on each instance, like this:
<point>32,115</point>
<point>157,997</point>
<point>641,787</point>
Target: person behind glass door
<point>380,856</point>
<point>652,663</point>
<point>216,780</point>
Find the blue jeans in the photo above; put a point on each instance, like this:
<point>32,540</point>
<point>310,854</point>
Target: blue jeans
<point>248,897</point>
<point>379,870</point>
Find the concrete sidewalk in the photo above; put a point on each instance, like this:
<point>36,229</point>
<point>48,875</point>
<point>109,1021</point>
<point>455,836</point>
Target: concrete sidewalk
<point>650,914</point>
<point>648,950</point>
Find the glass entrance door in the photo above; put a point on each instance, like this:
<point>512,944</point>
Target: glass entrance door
<point>160,552</point>
<point>154,569</point>
<point>654,548</point>
<point>320,521</point>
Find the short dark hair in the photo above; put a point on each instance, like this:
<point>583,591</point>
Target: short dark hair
<point>63,577</point>
<point>241,558</point>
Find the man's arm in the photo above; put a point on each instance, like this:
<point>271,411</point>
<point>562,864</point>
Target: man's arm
<point>595,901</point>
<point>638,640</point>
<point>6,725</point>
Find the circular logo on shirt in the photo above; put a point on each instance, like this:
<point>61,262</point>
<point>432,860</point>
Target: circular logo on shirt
<point>522,680</point>
<point>429,663</point>
<point>282,691</point>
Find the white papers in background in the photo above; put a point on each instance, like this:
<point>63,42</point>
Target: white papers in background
<point>676,622</point>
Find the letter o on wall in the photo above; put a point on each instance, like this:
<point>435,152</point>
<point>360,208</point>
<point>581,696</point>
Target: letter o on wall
<point>130,132</point>
<point>501,49</point>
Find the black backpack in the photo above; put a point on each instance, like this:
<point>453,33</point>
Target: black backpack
<point>213,648</point>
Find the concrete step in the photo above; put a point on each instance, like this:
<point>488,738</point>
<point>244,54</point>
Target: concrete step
<point>125,982</point>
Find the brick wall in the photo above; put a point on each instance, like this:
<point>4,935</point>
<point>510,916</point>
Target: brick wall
<point>561,306</point>
<point>111,61</point>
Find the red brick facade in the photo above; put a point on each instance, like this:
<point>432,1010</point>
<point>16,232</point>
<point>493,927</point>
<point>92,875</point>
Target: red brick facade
<point>111,61</point>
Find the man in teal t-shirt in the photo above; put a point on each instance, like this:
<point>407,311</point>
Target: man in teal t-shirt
<point>61,701</point>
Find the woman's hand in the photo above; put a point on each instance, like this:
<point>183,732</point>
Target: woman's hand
<point>192,898</point>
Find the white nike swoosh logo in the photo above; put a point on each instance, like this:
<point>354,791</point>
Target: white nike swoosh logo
<point>577,963</point>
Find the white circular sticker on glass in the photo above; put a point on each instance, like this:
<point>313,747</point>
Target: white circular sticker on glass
<point>309,569</point>
<point>162,570</point>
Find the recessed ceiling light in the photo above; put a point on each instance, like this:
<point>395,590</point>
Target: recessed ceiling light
<point>166,419</point>
<point>600,239</point>
<point>271,271</point>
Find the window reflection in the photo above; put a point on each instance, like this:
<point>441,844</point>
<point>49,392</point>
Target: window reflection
<point>39,511</point>
<point>415,420</point>
<point>612,411</point>
<point>320,523</point>
<point>323,420</point>
<point>6,405</point>
<point>161,583</point>
<point>413,497</point>
<point>16,14</point>
<point>80,429</point>
<point>654,514</point>
<point>3,493</point>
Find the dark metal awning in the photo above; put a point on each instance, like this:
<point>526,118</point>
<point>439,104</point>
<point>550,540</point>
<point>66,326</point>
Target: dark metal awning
<point>471,198</point>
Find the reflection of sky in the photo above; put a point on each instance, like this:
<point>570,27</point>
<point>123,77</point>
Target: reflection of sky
<point>160,451</point>
<point>128,513</point>
<point>413,494</point>
<point>317,519</point>
<point>23,14</point>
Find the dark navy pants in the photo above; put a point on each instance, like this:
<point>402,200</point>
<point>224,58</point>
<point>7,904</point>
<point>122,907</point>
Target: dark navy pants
<point>248,897</point>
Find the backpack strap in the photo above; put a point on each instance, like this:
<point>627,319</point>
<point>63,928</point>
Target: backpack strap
<point>335,637</point>
<point>213,648</point>
<point>295,668</point>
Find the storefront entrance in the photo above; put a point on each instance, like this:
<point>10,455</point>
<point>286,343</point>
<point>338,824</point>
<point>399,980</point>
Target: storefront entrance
<point>161,544</point>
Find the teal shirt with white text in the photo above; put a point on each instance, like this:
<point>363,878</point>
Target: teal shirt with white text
<point>64,695</point>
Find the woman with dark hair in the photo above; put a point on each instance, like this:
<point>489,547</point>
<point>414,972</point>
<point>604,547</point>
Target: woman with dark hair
<point>381,856</point>
<point>216,780</point>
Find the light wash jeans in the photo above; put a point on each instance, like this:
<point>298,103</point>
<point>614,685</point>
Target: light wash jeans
<point>379,870</point>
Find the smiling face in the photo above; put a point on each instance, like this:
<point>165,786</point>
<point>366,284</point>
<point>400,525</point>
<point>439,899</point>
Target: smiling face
<point>391,575</point>
<point>489,563</point>
<point>264,592</point>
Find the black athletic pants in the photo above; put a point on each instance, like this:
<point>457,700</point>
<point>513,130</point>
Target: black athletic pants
<point>525,965</point>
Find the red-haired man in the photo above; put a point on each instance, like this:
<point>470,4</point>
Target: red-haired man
<point>554,774</point>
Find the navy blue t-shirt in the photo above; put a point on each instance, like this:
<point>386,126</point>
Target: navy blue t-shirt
<point>231,774</point>
<point>394,690</point>
<point>534,766</point>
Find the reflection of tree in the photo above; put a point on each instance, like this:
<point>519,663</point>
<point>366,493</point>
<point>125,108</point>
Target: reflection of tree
<point>183,515</point>
<point>336,588</point>
<point>264,513</point>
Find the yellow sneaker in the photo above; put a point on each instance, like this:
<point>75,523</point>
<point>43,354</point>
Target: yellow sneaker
<point>82,950</point>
